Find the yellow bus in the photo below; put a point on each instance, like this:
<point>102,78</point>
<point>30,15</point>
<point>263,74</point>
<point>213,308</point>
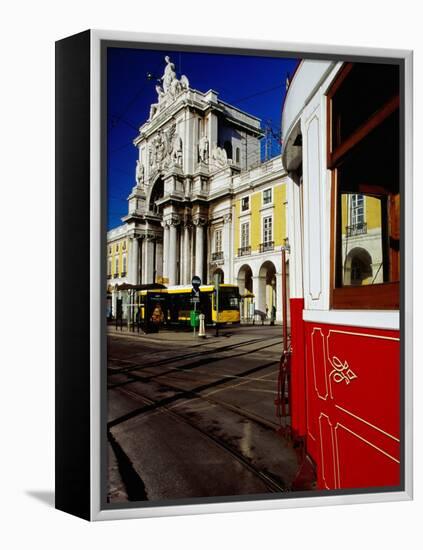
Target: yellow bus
<point>177,302</point>
<point>222,308</point>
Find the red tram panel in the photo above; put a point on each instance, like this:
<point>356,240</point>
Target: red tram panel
<point>350,381</point>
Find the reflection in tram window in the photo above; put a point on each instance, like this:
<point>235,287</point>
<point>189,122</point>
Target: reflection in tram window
<point>363,154</point>
<point>362,250</point>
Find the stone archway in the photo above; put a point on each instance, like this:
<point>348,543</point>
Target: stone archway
<point>357,267</point>
<point>266,299</point>
<point>245,285</point>
<point>245,279</point>
<point>157,192</point>
<point>221,274</point>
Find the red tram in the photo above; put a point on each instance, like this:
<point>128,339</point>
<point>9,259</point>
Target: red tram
<point>341,128</point>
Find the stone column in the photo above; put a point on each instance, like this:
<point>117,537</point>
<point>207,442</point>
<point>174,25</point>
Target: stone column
<point>172,272</point>
<point>186,256</point>
<point>114,303</point>
<point>165,250</point>
<point>181,256</point>
<point>148,259</point>
<point>259,291</point>
<point>159,259</point>
<point>192,254</point>
<point>134,278</point>
<point>199,247</point>
<point>227,247</point>
<point>279,297</point>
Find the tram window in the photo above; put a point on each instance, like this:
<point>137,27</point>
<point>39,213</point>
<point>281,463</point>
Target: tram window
<point>364,158</point>
<point>363,89</point>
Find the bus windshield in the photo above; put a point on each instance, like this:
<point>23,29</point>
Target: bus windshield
<point>228,298</point>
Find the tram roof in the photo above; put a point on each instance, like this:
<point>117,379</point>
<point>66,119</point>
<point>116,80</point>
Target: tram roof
<point>202,287</point>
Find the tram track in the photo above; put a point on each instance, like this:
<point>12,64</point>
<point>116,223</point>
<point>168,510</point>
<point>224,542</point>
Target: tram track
<point>192,393</point>
<point>212,358</point>
<point>178,403</point>
<point>188,367</point>
<point>266,478</point>
<point>195,393</point>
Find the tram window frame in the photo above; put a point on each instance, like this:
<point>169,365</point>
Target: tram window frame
<point>373,296</point>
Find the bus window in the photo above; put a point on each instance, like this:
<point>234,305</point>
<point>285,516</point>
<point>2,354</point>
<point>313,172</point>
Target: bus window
<point>228,299</point>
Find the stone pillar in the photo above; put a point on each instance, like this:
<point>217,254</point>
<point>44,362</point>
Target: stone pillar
<point>181,257</point>
<point>114,303</point>
<point>159,259</point>
<point>186,260</point>
<point>192,254</point>
<point>259,291</point>
<point>279,295</point>
<point>134,277</point>
<point>199,247</point>
<point>172,271</point>
<point>165,250</point>
<point>227,247</point>
<point>148,260</point>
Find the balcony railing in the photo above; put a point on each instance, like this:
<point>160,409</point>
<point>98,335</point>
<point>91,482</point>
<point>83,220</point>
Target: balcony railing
<point>123,274</point>
<point>244,251</point>
<point>356,229</point>
<point>217,256</point>
<point>109,276</point>
<point>264,247</point>
<point>116,275</point>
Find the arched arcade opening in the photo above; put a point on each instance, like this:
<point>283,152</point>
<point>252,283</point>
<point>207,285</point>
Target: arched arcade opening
<point>245,285</point>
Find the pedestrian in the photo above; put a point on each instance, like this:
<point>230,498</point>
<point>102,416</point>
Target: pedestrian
<point>273,316</point>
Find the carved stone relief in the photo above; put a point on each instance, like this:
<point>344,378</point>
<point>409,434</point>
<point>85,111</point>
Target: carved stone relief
<point>165,150</point>
<point>203,149</point>
<point>219,156</point>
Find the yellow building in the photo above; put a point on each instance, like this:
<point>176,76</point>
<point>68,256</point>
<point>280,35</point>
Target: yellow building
<point>259,233</point>
<point>361,227</point>
<point>117,266</point>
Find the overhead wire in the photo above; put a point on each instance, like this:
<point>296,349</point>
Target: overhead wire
<point>254,158</point>
<point>239,100</point>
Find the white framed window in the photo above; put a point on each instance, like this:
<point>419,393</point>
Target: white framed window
<point>267,196</point>
<point>245,204</point>
<point>245,234</point>
<point>109,267</point>
<point>267,229</point>
<point>116,265</point>
<point>124,263</point>
<point>218,240</point>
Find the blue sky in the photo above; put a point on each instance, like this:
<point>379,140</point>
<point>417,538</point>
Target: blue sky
<point>254,84</point>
